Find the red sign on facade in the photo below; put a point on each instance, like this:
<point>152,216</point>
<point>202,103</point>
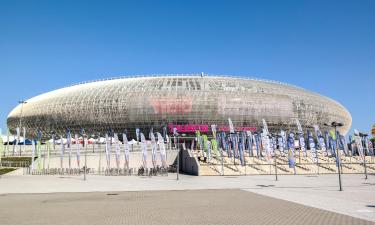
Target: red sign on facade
<point>171,106</point>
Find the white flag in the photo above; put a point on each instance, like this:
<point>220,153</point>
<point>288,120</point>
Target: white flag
<point>107,152</point>
<point>126,150</point>
<point>117,145</point>
<point>301,139</point>
<point>144,150</point>
<point>213,129</point>
<point>231,127</point>
<point>62,152</point>
<point>153,148</point>
<point>24,137</point>
<point>266,141</point>
<point>78,151</point>
<point>162,150</point>
<point>32,154</point>
<point>358,142</point>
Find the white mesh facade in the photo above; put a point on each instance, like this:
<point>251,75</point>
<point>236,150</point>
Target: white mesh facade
<point>145,102</point>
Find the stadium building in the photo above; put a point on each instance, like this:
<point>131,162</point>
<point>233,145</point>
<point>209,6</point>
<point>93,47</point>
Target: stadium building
<point>187,102</point>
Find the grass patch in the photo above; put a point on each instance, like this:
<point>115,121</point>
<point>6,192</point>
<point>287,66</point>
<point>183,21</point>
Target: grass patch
<point>6,170</point>
<point>17,159</point>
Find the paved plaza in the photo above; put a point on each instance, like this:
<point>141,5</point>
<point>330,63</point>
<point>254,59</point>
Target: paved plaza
<point>231,206</point>
<point>191,200</point>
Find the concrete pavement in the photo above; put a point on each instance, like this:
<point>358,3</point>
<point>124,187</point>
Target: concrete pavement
<point>162,207</point>
<point>357,199</point>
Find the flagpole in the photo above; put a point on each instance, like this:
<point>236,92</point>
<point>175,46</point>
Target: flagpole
<point>178,155</point>
<point>44,156</point>
<point>275,152</point>
<point>84,171</point>
<point>7,147</point>
<point>364,154</point>
<point>335,125</point>
<point>276,167</point>
<point>222,162</point>
<point>24,138</point>
<point>100,153</point>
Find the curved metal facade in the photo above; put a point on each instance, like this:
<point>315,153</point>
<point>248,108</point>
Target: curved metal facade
<point>145,102</point>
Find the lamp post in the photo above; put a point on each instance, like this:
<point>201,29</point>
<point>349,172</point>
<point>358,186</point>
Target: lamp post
<point>22,102</point>
<point>276,178</point>
<point>85,148</point>
<point>335,125</point>
<point>364,135</point>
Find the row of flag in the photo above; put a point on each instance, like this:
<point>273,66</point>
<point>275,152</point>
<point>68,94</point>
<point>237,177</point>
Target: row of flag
<point>124,146</point>
<point>235,144</point>
<point>265,144</point>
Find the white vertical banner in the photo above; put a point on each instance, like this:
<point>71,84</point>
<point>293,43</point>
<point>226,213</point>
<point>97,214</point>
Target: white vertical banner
<point>266,146</point>
<point>68,144</point>
<point>265,127</point>
<point>249,141</point>
<point>162,150</point>
<point>17,139</point>
<point>285,142</point>
<point>273,145</point>
<point>168,141</point>
<point>117,149</point>
<point>137,133</point>
<point>7,147</point>
<point>14,144</point>
<point>24,138</point>
<point>62,152</point>
<point>213,129</point>
<point>314,154</point>
<point>301,139</point>
<point>153,149</point>
<point>78,151</point>
<point>144,150</point>
<point>358,142</point>
<point>209,151</point>
<point>126,150</point>
<point>266,141</point>
<point>107,152</point>
<point>280,142</point>
<point>39,151</point>
<point>32,154</point>
<point>320,139</point>
<point>1,147</point>
<point>231,127</point>
<point>48,153</point>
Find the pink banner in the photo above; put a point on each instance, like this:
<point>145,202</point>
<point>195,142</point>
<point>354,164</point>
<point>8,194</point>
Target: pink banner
<point>204,128</point>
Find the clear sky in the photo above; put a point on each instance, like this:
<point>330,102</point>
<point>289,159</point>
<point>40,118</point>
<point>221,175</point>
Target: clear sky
<point>324,46</point>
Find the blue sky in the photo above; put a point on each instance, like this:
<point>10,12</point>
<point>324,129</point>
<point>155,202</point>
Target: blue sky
<point>323,46</point>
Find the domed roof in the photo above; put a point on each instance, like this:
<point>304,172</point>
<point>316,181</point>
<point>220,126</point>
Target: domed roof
<point>156,101</point>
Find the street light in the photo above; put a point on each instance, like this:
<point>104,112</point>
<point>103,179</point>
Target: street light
<point>22,102</point>
<point>85,148</point>
<point>335,125</point>
<point>364,135</point>
<point>276,135</point>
